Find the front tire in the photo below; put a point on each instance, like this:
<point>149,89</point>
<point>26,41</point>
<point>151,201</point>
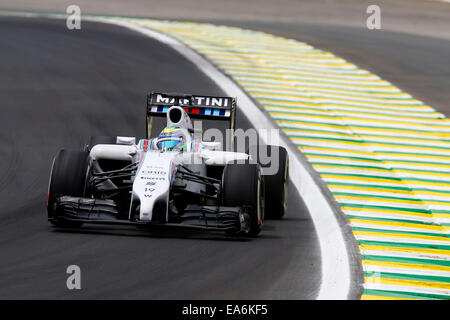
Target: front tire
<point>67,178</point>
<point>276,184</point>
<point>243,185</point>
<point>94,140</point>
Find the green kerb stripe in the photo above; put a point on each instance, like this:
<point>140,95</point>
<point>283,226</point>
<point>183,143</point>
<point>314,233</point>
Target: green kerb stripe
<point>405,294</point>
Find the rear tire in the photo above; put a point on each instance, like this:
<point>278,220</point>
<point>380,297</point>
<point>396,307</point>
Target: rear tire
<point>277,186</point>
<point>243,185</point>
<point>68,178</point>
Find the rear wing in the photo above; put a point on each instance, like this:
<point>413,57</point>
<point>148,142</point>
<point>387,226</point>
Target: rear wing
<point>196,106</point>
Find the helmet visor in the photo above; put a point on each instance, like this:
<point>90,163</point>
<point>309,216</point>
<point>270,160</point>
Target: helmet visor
<point>168,144</point>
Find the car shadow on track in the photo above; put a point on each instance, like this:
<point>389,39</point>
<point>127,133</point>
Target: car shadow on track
<point>167,233</point>
<point>163,233</point>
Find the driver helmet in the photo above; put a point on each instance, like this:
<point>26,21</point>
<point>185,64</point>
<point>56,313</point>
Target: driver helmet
<point>171,138</point>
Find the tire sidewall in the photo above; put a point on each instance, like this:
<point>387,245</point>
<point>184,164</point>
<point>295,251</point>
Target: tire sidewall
<point>68,176</point>
<point>244,187</point>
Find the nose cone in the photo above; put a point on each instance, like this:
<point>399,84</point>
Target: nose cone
<point>152,182</point>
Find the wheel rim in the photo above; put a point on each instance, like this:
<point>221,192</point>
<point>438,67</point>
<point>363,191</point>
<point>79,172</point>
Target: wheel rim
<point>285,186</point>
<point>258,206</point>
<point>86,179</point>
<point>50,181</point>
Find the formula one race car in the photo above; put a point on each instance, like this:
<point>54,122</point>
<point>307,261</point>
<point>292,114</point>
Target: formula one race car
<point>173,179</point>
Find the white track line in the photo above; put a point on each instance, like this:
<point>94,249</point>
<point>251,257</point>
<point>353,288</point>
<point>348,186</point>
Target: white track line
<point>335,279</point>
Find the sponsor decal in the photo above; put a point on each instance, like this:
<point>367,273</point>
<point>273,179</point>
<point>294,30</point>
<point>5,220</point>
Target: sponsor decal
<point>196,101</point>
<point>154,172</point>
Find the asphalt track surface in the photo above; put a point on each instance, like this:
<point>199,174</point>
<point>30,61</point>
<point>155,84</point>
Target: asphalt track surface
<point>54,93</point>
<point>58,87</point>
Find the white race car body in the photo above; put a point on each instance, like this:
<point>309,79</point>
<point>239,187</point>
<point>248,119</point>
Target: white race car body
<point>174,179</point>
<point>156,168</point>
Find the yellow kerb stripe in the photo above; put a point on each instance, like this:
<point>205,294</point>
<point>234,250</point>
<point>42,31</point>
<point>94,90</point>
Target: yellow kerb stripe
<point>400,236</point>
<point>403,249</point>
<point>409,283</point>
<point>399,224</point>
<point>399,265</point>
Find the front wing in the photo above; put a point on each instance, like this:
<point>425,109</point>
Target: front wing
<point>218,218</point>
